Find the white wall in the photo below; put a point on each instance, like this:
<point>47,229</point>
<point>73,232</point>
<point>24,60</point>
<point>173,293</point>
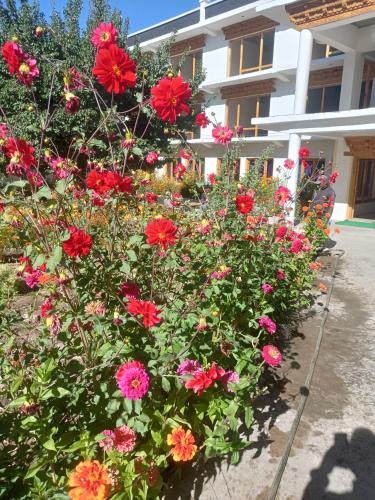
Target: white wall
<point>343,164</point>
<point>285,52</point>
<point>215,56</point>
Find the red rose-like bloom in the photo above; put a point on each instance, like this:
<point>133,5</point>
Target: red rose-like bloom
<point>104,35</point>
<point>161,232</point>
<point>151,198</point>
<point>169,98</point>
<point>97,181</point>
<point>201,120</point>
<point>123,184</point>
<point>281,231</point>
<point>304,152</point>
<point>146,309</point>
<point>114,69</point>
<point>79,244</point>
<point>244,203</point>
<point>333,177</point>
<point>179,171</point>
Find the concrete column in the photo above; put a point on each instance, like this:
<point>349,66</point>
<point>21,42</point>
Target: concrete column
<point>351,81</point>
<point>202,6</point>
<point>300,100</point>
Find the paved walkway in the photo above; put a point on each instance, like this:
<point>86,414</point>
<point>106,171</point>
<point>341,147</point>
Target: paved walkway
<point>333,455</point>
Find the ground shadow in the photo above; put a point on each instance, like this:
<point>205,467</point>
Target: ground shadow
<point>357,455</point>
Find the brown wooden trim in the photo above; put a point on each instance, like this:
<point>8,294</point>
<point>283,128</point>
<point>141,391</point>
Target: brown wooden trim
<point>264,87</point>
<point>361,146</point>
<point>325,77</point>
<point>309,13</point>
<point>189,45</point>
<point>352,189</point>
<point>249,27</point>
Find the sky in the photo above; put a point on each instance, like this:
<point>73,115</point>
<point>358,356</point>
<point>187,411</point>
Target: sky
<point>142,13</point>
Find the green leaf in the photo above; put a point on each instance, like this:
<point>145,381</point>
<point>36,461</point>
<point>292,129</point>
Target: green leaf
<point>166,385</point>
<point>49,445</point>
<point>132,255</point>
<point>20,184</point>
<point>43,192</point>
<point>249,415</point>
<point>55,259</point>
<point>35,467</point>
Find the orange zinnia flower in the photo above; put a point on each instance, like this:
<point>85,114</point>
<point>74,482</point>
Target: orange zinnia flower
<point>184,447</point>
<point>305,209</point>
<point>90,481</point>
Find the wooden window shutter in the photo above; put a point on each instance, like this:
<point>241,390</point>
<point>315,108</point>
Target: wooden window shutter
<point>189,45</point>
<point>248,27</point>
<point>263,87</point>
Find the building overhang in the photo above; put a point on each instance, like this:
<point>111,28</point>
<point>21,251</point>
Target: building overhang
<point>330,125</point>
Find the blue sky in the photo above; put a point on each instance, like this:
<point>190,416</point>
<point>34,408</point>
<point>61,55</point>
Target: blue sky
<point>142,13</point>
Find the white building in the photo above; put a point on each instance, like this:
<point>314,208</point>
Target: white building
<point>291,73</point>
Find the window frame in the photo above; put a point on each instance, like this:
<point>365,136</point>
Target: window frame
<point>193,53</point>
<point>254,128</point>
<point>240,70</point>
<point>321,110</point>
<point>267,162</point>
<point>364,180</point>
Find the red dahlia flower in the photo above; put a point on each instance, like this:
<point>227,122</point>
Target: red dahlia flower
<point>203,379</point>
<point>151,198</point>
<point>72,104</point>
<point>304,153</point>
<point>179,171</point>
<point>161,232</point>
<point>146,309</point>
<point>201,120</point>
<point>79,244</point>
<point>244,203</point>
<point>19,63</point>
<point>114,69</point>
<point>104,35</point>
<point>169,98</point>
<point>97,181</point>
<point>21,155</point>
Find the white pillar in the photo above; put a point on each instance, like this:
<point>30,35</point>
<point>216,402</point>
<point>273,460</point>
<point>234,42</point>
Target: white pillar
<point>300,100</point>
<point>351,81</point>
<point>202,6</point>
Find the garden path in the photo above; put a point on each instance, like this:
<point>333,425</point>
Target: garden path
<point>333,454</point>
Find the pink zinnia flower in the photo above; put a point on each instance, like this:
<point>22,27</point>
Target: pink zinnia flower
<point>133,380</point>
<point>289,164</point>
<point>296,246</point>
<point>267,324</point>
<point>230,377</point>
<point>283,195</point>
<point>152,158</point>
<point>222,135</point>
<point>221,273</point>
<point>122,438</point>
<point>281,231</point>
<point>188,367</point>
<point>267,288</point>
<point>201,120</point>
<point>104,35</point>
<point>271,355</point>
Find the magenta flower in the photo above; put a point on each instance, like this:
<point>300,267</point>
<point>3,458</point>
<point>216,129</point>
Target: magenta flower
<point>283,195</point>
<point>133,380</point>
<point>222,135</point>
<point>188,367</point>
<point>267,324</point>
<point>152,158</point>
<point>122,439</point>
<point>32,279</point>
<point>271,355</point>
<point>267,288</point>
<point>230,377</point>
<point>296,246</point>
<point>289,164</point>
<point>222,273</point>
<point>130,290</point>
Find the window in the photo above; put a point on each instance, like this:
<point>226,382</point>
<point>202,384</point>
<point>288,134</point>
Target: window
<point>367,97</point>
<point>240,112</point>
<point>365,190</point>
<point>234,171</point>
<point>323,99</point>
<point>265,169</point>
<point>321,50</point>
<point>251,53</point>
<point>197,166</point>
<point>169,167</point>
<point>188,65</point>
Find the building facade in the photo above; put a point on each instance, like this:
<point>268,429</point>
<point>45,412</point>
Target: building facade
<point>291,74</point>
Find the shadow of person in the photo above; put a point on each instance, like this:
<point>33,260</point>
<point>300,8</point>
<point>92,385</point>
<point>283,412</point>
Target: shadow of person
<point>357,456</point>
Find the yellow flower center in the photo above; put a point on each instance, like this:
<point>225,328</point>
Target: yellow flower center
<point>104,36</point>
<point>173,101</point>
<point>161,236</point>
<point>116,70</point>
<point>135,383</point>
<point>24,68</point>
<point>16,157</point>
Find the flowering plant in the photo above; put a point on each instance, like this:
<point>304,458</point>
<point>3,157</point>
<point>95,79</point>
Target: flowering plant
<point>155,320</point>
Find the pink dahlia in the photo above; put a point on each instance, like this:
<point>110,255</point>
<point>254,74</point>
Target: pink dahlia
<point>333,177</point>
<point>267,288</point>
<point>152,158</point>
<point>271,355</point>
<point>179,171</point>
<point>283,195</point>
<point>133,380</point>
<point>267,324</point>
<point>188,367</point>
<point>222,135</point>
<point>296,246</point>
<point>104,35</point>
<point>280,274</point>
<point>289,164</point>
<point>122,439</point>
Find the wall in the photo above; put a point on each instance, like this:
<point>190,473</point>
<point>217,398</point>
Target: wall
<point>344,165</point>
